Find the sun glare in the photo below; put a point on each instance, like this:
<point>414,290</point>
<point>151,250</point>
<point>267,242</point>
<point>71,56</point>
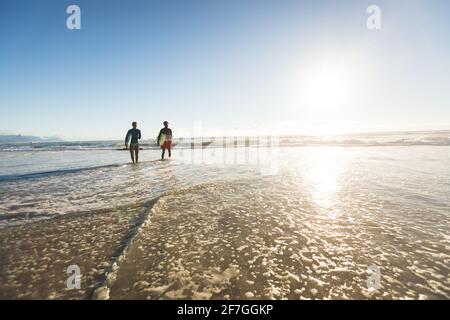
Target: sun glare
<point>327,88</point>
<point>322,93</point>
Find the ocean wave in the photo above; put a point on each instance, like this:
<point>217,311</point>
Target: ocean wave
<point>43,174</point>
<point>431,138</point>
<point>13,177</point>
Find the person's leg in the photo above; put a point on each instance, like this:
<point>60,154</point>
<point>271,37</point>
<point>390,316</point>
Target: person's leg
<point>132,154</point>
<point>162,154</point>
<point>170,153</point>
<point>136,156</point>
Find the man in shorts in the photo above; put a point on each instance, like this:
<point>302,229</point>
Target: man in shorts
<point>167,143</point>
<point>133,135</point>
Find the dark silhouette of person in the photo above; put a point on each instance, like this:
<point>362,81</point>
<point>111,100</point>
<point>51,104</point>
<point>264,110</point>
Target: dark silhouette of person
<point>133,135</point>
<point>167,143</point>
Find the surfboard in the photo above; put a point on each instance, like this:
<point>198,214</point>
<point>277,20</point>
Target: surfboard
<point>161,140</point>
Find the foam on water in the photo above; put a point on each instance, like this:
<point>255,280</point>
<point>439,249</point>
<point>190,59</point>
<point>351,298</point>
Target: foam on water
<point>46,195</point>
<point>308,228</point>
<point>230,240</point>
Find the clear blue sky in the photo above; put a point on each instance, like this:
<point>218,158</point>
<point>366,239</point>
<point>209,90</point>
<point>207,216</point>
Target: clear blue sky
<point>229,63</point>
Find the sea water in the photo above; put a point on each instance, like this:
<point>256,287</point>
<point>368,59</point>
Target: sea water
<point>285,222</point>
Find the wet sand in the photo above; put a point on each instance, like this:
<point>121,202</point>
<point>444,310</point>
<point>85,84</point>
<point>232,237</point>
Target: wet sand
<point>35,256</point>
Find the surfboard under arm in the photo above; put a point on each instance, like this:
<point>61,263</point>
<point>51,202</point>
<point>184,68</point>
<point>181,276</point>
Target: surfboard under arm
<point>161,140</point>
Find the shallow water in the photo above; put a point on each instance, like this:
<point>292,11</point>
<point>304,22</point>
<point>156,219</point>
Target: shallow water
<point>288,222</point>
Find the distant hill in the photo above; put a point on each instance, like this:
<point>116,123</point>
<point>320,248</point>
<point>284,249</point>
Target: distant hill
<point>20,138</point>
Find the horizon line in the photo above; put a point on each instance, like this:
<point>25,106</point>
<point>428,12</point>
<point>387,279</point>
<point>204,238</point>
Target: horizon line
<point>371,132</point>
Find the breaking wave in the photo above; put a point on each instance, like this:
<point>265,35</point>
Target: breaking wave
<point>432,138</point>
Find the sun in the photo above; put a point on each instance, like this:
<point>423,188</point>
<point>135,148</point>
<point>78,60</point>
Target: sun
<point>323,93</point>
<point>326,88</point>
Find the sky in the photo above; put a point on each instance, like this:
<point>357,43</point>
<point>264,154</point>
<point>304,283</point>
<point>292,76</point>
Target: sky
<point>247,66</point>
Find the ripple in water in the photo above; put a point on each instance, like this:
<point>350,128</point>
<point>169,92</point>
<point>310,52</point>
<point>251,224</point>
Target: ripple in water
<point>309,229</point>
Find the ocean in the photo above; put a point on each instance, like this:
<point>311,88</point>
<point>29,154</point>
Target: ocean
<point>237,218</point>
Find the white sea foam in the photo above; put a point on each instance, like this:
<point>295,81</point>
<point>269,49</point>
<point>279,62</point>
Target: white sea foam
<point>308,230</point>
